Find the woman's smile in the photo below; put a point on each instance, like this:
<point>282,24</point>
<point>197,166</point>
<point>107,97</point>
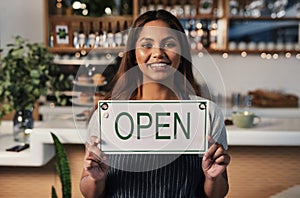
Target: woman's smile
<point>159,67</point>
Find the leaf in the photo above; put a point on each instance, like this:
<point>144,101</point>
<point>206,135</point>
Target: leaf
<point>34,74</point>
<point>62,167</point>
<point>53,192</point>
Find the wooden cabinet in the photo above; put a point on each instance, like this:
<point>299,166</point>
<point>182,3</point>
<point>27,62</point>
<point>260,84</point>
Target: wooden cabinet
<point>219,25</point>
<point>214,26</point>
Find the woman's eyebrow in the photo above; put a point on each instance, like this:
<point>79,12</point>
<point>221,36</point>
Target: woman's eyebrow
<point>163,40</point>
<point>146,39</point>
<point>169,38</point>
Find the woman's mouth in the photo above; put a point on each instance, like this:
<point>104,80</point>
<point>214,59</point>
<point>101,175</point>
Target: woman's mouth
<point>158,66</point>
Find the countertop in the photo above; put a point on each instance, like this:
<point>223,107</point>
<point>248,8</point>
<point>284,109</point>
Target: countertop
<point>59,120</point>
<point>278,127</point>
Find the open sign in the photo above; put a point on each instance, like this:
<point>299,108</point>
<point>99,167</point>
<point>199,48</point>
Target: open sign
<point>135,126</point>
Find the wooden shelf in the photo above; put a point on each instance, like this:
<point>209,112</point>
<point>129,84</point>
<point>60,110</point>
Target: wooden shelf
<point>83,62</point>
<point>199,16</point>
<point>84,51</point>
<point>76,18</point>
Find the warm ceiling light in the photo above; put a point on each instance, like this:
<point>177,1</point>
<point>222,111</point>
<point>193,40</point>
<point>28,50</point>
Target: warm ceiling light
<point>76,5</point>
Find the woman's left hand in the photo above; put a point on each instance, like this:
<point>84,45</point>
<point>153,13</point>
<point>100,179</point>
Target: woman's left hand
<point>215,161</point>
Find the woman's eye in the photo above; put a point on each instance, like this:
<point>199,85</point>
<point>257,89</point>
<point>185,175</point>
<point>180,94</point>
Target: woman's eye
<point>169,45</point>
<point>147,45</point>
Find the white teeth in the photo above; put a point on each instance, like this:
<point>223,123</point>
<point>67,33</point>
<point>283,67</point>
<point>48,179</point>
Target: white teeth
<point>158,64</point>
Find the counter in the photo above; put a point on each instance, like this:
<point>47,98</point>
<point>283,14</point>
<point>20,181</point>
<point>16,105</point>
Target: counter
<point>59,120</point>
<point>279,127</point>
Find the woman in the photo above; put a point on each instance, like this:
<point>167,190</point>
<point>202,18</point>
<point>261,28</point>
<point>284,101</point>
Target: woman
<point>157,66</point>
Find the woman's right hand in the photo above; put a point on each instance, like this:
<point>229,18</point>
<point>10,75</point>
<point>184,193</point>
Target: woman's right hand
<point>96,163</point>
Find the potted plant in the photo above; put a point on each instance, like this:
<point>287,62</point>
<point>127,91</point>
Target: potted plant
<point>26,73</point>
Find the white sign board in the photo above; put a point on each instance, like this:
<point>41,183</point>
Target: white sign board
<point>154,126</point>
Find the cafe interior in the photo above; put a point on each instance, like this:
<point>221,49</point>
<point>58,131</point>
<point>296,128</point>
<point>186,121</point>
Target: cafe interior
<point>245,57</point>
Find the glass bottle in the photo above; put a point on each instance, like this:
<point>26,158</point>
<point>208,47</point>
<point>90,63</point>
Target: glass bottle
<point>100,36</point>
<point>177,9</point>
<point>125,33</point>
<point>110,36</point>
<point>205,36</point>
<point>199,35</point>
<point>187,8</point>
<point>143,7</point>
<point>81,35</point>
<point>193,8</point>
<point>213,35</point>
<point>51,40</point>
<point>159,5</point>
<point>118,35</point>
<point>192,33</point>
<point>92,36</point>
<point>23,125</point>
<point>168,6</point>
<point>75,39</point>
<point>151,5</point>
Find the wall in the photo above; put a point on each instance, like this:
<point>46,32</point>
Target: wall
<point>249,73</point>
<point>24,18</point>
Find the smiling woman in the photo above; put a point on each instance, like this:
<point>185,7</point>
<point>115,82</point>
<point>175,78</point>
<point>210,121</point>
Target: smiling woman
<point>156,66</point>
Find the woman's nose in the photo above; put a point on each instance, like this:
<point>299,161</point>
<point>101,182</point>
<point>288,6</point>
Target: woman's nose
<point>158,52</point>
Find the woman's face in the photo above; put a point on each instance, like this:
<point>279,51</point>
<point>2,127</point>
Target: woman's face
<point>157,51</point>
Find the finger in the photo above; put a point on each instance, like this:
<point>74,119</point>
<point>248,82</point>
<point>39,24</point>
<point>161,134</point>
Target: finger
<point>93,148</point>
<point>223,160</point>
<point>93,140</point>
<point>101,158</point>
<point>90,164</point>
<point>96,141</point>
<point>218,152</point>
<point>210,152</point>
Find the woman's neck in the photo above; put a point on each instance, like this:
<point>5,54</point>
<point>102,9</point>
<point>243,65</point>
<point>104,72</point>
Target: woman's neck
<point>157,91</point>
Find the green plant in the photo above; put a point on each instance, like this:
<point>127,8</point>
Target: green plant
<point>62,169</point>
<point>27,72</point>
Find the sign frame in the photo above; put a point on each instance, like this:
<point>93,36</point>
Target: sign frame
<point>202,105</point>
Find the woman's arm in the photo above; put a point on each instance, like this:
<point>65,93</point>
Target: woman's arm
<point>214,164</point>
<point>217,187</point>
<point>95,170</point>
